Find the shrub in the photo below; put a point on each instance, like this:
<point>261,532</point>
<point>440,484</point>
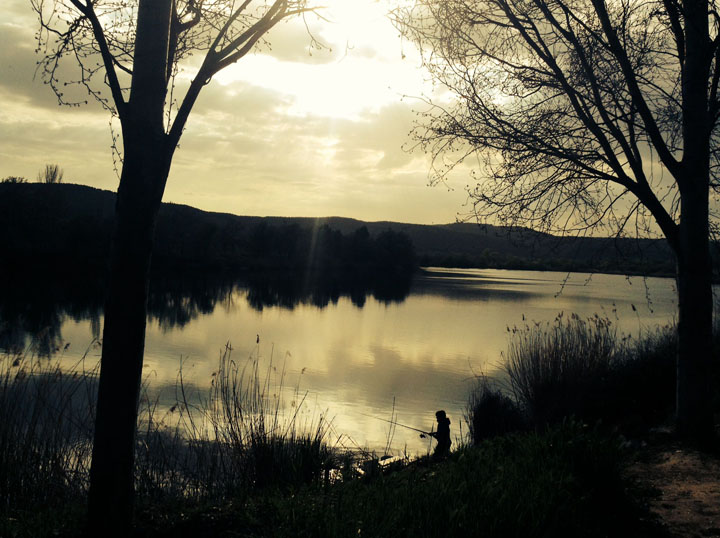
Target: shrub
<point>640,389</point>
<point>491,412</point>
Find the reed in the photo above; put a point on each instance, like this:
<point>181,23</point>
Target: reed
<point>238,436</point>
<point>554,367</point>
<point>259,437</point>
<point>45,442</point>
<point>584,368</point>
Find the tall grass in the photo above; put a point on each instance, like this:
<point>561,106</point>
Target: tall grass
<point>45,440</point>
<point>573,367</point>
<point>237,436</point>
<point>556,369</point>
<point>240,434</point>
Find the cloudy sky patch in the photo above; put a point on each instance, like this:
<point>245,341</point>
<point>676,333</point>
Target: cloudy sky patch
<point>294,129</point>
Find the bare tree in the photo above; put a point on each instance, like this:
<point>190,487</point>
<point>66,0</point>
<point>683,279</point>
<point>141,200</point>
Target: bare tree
<point>586,114</point>
<point>52,174</point>
<point>128,53</point>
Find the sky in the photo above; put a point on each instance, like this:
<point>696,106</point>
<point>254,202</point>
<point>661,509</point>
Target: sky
<point>286,131</point>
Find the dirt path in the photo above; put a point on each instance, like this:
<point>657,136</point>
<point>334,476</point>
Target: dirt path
<point>685,489</point>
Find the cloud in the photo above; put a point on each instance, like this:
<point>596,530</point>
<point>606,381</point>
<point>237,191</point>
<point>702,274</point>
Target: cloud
<point>245,153</point>
<point>18,65</point>
<point>21,76</point>
<point>283,134</point>
<point>19,12</point>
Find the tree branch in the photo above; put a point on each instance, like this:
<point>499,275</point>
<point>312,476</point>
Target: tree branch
<point>109,60</point>
<point>636,94</point>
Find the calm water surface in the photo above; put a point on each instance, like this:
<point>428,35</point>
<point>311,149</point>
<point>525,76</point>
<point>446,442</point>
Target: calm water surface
<point>355,356</point>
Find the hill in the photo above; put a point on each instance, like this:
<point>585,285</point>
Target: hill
<point>63,225</point>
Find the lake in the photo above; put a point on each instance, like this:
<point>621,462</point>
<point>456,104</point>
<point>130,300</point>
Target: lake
<point>355,353</point>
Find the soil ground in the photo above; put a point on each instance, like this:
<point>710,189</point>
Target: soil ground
<point>683,486</point>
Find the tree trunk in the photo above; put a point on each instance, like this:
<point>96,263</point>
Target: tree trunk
<point>112,471</point>
<point>694,414</point>
<point>146,165</point>
<point>694,272</point>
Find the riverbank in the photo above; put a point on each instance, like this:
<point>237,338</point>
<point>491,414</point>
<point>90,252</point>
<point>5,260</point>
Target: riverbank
<point>563,482</point>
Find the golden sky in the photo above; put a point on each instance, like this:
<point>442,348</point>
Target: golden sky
<point>286,131</point>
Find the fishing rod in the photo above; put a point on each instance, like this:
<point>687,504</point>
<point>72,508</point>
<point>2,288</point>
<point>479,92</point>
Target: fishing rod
<point>397,424</point>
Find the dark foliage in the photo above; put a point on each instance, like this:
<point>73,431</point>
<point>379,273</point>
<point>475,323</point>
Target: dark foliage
<point>62,224</point>
<point>563,482</point>
<point>491,413</point>
<point>13,179</point>
<point>584,369</point>
<point>68,227</point>
<point>35,305</point>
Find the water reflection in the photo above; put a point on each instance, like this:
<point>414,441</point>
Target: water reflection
<point>289,290</point>
<point>35,310</point>
<point>358,346</point>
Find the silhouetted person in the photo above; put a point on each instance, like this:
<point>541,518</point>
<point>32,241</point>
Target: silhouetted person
<point>442,435</point>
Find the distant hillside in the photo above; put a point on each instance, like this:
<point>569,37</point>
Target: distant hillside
<point>51,225</point>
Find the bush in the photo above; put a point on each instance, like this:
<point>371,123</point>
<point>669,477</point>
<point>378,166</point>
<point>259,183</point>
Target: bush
<point>491,412</point>
<point>582,368</point>
<point>640,390</point>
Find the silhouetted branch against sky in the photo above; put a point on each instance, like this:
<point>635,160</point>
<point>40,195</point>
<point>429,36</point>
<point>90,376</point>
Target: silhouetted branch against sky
<point>573,107</point>
<point>100,38</point>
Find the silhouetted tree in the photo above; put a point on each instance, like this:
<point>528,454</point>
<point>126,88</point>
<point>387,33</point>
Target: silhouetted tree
<point>51,174</point>
<point>584,114</point>
<point>14,179</point>
<point>132,49</point>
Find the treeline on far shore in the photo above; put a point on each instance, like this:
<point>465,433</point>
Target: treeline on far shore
<point>68,229</point>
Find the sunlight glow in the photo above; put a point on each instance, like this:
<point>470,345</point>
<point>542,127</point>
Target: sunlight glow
<point>364,68</point>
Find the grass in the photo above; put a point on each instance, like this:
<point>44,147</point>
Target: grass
<point>556,369</point>
<point>582,368</point>
<point>237,437</point>
<point>562,482</point>
<point>45,446</point>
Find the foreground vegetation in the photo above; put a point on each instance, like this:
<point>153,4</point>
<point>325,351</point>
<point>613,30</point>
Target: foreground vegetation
<point>562,482</point>
<point>545,456</point>
<point>581,368</point>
